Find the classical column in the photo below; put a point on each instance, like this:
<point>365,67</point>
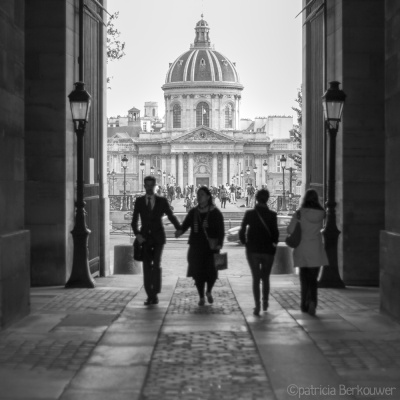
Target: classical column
<point>173,165</point>
<point>180,170</point>
<point>215,169</point>
<point>232,166</point>
<point>224,168</point>
<point>190,169</point>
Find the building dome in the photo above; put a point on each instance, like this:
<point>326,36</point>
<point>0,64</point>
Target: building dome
<point>202,63</point>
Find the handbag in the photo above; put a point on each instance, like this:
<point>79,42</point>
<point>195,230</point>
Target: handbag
<point>137,250</point>
<point>294,239</point>
<point>220,259</point>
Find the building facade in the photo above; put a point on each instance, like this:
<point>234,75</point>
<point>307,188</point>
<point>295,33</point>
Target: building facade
<point>202,142</point>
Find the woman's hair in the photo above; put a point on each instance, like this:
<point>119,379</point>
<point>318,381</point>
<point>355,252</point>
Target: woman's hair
<point>262,196</point>
<point>206,190</point>
<point>311,200</point>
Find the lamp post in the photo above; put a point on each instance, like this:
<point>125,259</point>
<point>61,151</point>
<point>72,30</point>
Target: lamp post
<point>142,166</point>
<point>159,175</point>
<point>255,175</point>
<point>283,165</point>
<point>164,174</point>
<point>241,179</point>
<point>152,170</point>
<point>265,167</point>
<point>169,178</point>
<point>124,162</point>
<point>80,277</point>
<point>248,174</point>
<point>113,178</point>
<point>332,102</point>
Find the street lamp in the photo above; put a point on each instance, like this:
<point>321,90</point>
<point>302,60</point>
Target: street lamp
<point>241,178</point>
<point>124,162</point>
<point>142,166</point>
<point>169,178</point>
<point>159,175</point>
<point>164,175</point>
<point>80,277</point>
<point>248,174</point>
<point>255,175</point>
<point>283,165</point>
<point>265,168</point>
<point>332,103</point>
<point>152,170</point>
<point>113,178</point>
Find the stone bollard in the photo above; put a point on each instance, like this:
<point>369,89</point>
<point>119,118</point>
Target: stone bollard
<point>124,262</point>
<point>283,261</point>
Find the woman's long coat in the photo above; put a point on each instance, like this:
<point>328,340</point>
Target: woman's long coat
<point>311,251</point>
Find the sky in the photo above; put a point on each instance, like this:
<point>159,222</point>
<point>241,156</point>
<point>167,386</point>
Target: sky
<point>263,37</point>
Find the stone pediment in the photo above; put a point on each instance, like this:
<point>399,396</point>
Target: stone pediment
<point>202,134</point>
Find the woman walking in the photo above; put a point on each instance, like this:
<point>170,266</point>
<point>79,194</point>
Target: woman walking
<point>261,240</point>
<point>224,196</point>
<point>206,238</point>
<point>310,255</point>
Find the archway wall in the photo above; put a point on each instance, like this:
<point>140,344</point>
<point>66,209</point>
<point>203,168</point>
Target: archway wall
<point>355,57</point>
<point>390,235</point>
<point>14,239</point>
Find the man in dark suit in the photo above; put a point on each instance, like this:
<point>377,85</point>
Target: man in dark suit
<point>151,235</point>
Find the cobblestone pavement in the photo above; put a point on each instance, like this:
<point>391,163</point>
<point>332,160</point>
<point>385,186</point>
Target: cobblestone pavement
<point>328,299</point>
<point>209,364</point>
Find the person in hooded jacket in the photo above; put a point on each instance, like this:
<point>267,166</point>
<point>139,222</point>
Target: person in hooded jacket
<point>310,255</point>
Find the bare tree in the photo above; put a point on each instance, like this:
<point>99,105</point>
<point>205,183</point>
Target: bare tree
<point>295,133</point>
<point>115,48</point>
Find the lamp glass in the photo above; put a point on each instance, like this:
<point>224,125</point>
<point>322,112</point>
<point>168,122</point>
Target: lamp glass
<point>80,101</point>
<point>265,165</point>
<point>124,162</point>
<point>255,169</point>
<point>142,165</point>
<point>248,171</point>
<point>333,101</point>
<point>283,161</point>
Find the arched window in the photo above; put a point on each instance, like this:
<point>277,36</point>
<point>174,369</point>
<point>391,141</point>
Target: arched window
<point>202,114</point>
<point>176,118</point>
<point>228,116</point>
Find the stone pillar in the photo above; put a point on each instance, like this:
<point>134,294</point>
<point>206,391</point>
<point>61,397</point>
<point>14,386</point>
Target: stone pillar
<point>215,169</point>
<point>190,169</point>
<point>232,169</point>
<point>180,170</point>
<point>224,168</point>
<point>173,165</point>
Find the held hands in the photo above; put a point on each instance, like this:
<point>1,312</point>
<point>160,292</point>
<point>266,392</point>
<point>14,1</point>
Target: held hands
<point>178,233</point>
<point>140,238</point>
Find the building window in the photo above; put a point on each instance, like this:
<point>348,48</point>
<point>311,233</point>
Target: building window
<point>278,164</point>
<point>202,114</point>
<point>228,116</point>
<point>248,161</point>
<point>176,123</point>
<point>157,163</point>
<point>144,126</point>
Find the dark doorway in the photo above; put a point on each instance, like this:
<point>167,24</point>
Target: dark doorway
<point>202,181</point>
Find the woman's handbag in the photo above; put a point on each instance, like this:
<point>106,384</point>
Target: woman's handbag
<point>137,250</point>
<point>220,259</point>
<point>293,240</point>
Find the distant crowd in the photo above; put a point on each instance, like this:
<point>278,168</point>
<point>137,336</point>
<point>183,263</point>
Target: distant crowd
<point>223,193</point>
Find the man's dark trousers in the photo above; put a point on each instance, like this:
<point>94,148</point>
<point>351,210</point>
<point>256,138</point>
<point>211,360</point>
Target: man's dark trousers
<point>152,268</point>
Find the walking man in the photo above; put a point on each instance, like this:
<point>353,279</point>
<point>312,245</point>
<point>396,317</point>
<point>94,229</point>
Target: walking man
<point>151,235</point>
<point>233,194</point>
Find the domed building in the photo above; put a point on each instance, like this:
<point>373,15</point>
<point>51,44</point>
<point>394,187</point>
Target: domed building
<point>201,142</point>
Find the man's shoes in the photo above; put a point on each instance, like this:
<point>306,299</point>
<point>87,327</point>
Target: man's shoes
<point>202,301</point>
<point>148,302</point>
<point>155,300</point>
<point>312,308</point>
<point>265,305</point>
<point>210,299</point>
<point>256,311</point>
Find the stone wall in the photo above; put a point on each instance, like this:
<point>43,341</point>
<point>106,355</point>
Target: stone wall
<point>14,240</point>
<point>49,194</point>
<point>355,42</point>
<point>390,236</point>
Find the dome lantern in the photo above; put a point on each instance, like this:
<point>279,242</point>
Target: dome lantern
<point>202,38</point>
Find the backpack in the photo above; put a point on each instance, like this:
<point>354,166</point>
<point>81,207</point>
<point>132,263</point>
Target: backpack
<point>293,240</point>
